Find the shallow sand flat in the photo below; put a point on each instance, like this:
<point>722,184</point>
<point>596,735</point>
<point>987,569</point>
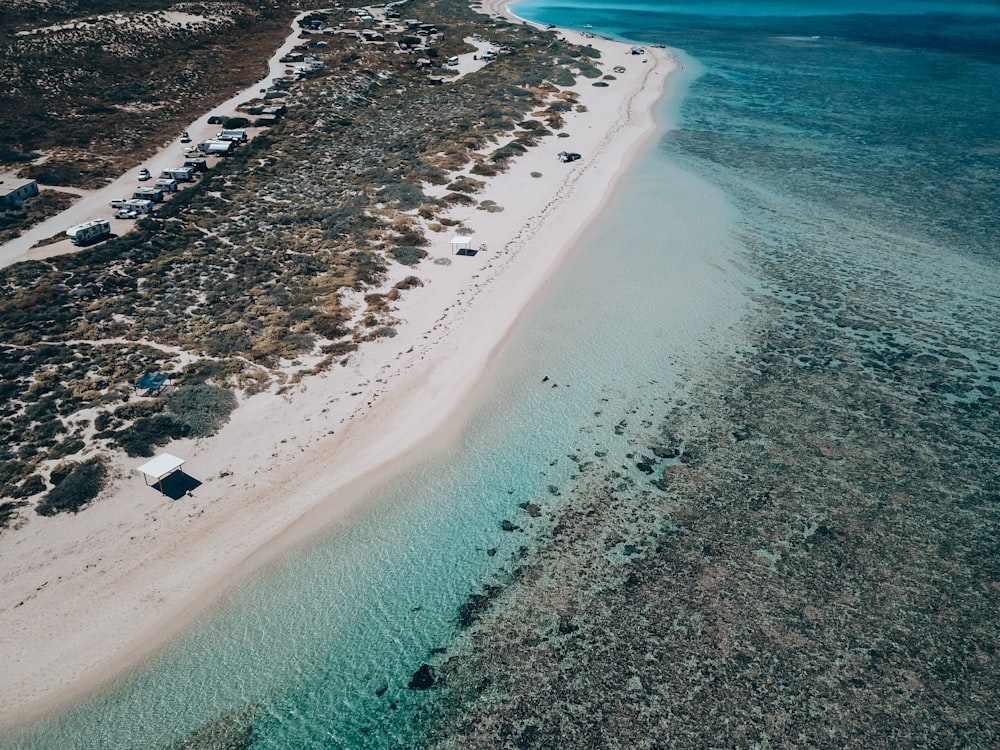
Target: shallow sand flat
<point>85,596</point>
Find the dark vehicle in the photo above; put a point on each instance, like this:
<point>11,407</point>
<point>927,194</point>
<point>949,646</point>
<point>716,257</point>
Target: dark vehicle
<point>568,156</point>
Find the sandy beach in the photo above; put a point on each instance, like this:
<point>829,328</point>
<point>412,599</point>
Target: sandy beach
<point>82,597</point>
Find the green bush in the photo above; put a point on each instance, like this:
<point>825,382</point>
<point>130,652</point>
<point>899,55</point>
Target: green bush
<point>562,77</point>
<point>30,486</point>
<point>81,485</point>
<point>231,340</point>
<point>8,154</point>
<point>408,256</point>
<point>67,447</point>
<point>517,91</point>
<point>432,174</point>
<point>402,195</point>
<point>452,198</point>
<point>408,283</point>
<point>329,326</point>
<point>530,78</point>
<point>145,434</point>
<point>464,184</point>
<point>12,471</point>
<point>137,409</point>
<point>201,408</point>
<point>44,433</point>
<point>60,472</point>
<point>7,512</point>
<point>509,151</point>
<point>203,369</point>
<point>298,314</point>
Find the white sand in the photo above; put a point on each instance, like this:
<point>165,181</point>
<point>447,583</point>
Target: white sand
<point>82,597</point>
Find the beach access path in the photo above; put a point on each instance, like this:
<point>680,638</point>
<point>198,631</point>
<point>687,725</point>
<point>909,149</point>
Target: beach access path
<point>83,597</point>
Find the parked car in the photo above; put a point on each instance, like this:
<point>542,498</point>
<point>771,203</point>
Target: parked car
<point>185,138</point>
<point>144,174</point>
<point>568,156</point>
<point>117,202</point>
<point>126,213</point>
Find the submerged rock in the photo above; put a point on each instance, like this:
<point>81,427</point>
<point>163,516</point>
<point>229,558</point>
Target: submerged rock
<point>232,731</point>
<point>532,509</point>
<point>662,451</point>
<point>475,605</point>
<point>423,678</point>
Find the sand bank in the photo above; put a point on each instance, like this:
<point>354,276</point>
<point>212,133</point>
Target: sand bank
<point>83,597</point>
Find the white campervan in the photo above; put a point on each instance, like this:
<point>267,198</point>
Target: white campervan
<point>91,231</point>
<point>139,205</point>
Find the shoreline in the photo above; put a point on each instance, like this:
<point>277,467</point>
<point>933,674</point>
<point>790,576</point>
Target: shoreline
<point>156,566</point>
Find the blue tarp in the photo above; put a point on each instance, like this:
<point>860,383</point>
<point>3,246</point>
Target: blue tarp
<point>152,381</point>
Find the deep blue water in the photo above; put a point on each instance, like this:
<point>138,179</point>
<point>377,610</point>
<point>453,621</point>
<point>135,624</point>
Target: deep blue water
<point>829,147</point>
<point>889,108</point>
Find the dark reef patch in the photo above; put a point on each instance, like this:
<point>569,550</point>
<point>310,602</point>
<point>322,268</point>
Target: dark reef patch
<point>818,569</point>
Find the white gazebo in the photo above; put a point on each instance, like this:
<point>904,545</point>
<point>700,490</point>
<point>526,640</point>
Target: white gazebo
<point>459,243</point>
<point>160,468</point>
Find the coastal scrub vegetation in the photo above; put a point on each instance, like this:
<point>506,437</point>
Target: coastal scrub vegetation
<point>93,86</point>
<point>251,277</point>
<point>17,219</point>
<point>75,486</point>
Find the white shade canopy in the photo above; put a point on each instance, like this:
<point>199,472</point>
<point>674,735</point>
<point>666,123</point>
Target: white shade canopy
<point>462,242</point>
<point>159,467</point>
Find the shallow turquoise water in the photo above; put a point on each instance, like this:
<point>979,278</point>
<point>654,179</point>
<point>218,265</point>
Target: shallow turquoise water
<point>856,155</point>
<point>324,643</point>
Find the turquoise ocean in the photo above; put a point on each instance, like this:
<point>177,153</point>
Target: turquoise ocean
<point>824,169</point>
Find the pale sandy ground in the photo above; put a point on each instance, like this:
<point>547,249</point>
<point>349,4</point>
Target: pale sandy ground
<point>84,596</point>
